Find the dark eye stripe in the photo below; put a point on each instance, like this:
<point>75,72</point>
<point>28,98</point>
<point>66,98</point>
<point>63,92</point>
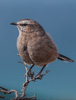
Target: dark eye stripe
<point>23,24</point>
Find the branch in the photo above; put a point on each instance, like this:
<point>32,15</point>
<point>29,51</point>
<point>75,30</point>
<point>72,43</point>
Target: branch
<point>29,78</point>
<point>32,77</point>
<point>5,91</point>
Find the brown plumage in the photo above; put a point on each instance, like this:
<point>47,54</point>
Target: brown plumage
<point>35,46</point>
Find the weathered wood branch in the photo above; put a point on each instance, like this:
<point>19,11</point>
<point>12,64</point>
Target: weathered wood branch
<point>30,76</point>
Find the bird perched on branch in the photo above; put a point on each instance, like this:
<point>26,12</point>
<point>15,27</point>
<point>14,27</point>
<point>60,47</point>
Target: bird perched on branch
<point>35,46</point>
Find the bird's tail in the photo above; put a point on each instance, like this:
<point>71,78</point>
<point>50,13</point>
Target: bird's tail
<point>64,58</point>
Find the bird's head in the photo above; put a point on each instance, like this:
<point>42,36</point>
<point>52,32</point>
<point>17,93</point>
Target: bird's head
<point>27,25</point>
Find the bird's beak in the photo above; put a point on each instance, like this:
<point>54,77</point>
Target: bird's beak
<point>13,23</point>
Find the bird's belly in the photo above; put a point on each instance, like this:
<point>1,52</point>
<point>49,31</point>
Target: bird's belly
<point>25,57</point>
<point>43,57</point>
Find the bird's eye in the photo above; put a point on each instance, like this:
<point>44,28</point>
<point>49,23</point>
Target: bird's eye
<point>23,24</point>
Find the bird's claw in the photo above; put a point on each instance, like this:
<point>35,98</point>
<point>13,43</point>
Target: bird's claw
<point>29,73</point>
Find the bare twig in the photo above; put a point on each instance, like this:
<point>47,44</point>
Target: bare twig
<point>29,77</point>
<point>24,87</point>
<point>5,91</point>
<point>3,88</point>
<point>38,76</point>
<point>30,74</point>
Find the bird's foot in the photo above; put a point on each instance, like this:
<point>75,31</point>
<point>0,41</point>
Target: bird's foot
<point>30,73</point>
<point>39,75</point>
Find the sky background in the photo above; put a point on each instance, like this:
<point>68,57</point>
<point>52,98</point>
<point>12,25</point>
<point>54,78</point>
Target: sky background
<point>58,18</point>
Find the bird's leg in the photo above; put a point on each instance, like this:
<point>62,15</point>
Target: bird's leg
<point>41,70</point>
<point>39,76</point>
<point>29,71</point>
<point>30,74</point>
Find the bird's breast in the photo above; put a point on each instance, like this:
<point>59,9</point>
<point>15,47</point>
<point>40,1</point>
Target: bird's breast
<point>22,49</point>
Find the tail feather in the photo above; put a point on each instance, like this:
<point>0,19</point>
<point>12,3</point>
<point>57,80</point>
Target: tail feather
<point>64,58</point>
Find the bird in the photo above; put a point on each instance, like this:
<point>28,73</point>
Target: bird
<point>35,45</point>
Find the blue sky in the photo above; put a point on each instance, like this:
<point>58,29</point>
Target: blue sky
<point>58,18</point>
